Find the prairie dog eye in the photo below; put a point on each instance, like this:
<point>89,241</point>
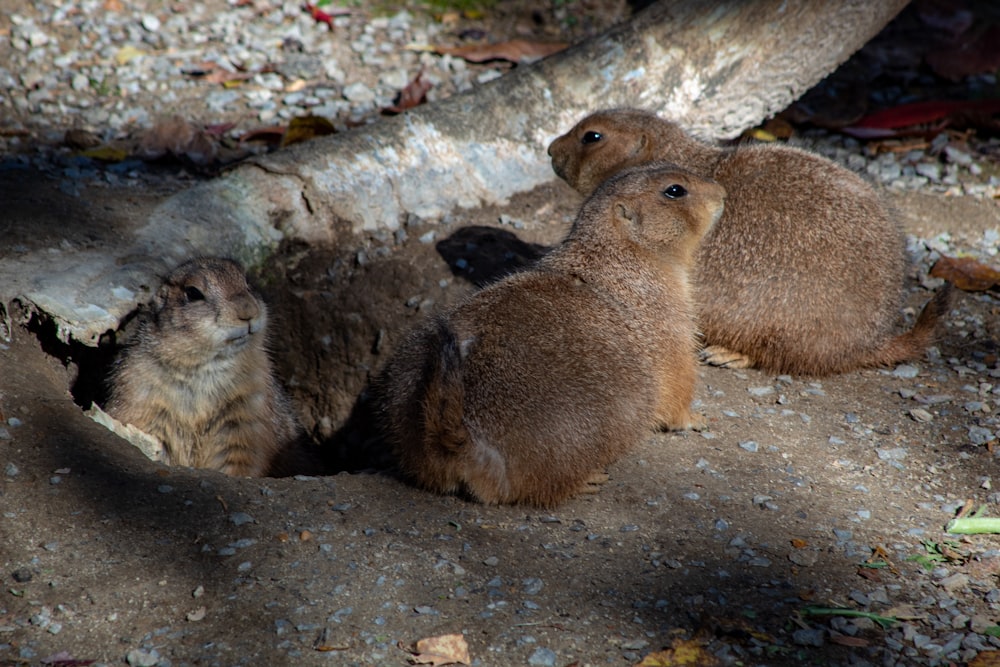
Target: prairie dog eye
<point>675,191</point>
<point>591,137</point>
<point>192,293</point>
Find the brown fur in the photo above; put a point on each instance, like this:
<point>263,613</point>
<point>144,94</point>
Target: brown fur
<point>538,381</point>
<point>198,377</point>
<point>803,273</point>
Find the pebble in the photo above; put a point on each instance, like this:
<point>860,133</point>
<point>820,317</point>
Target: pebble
<point>979,435</point>
<point>542,657</point>
<point>760,391</point>
<point>240,518</point>
<point>749,445</point>
<point>921,415</point>
<point>141,658</point>
<point>906,371</point>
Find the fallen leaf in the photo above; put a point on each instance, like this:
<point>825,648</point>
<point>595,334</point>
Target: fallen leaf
<point>321,16</point>
<point>113,5</point>
<point>966,273</point>
<point>270,135</point>
<point>305,128</point>
<point>127,53</point>
<point>682,653</point>
<point>105,153</point>
<point>442,650</point>
<point>296,86</point>
<point>902,119</point>
<point>799,544</point>
<point>986,659</point>
<point>847,640</point>
<point>414,94</point>
<point>516,51</point>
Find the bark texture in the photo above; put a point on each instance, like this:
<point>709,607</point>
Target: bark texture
<point>716,68</point>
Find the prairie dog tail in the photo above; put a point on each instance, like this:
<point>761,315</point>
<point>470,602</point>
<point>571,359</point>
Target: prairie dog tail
<point>444,395</point>
<point>923,334</point>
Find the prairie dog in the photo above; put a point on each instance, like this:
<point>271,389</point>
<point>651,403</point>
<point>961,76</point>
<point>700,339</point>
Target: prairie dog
<point>198,377</point>
<point>534,384</point>
<point>804,271</point>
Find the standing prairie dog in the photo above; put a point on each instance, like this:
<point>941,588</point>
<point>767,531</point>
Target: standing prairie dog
<point>534,384</point>
<point>198,377</point>
<point>804,271</point>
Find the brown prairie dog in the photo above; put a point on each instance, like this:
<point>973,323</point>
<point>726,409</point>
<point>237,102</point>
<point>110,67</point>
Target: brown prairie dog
<point>198,377</point>
<point>534,384</point>
<point>804,271</point>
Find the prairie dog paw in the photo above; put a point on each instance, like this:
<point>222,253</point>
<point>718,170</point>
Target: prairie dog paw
<point>716,355</point>
<point>594,482</point>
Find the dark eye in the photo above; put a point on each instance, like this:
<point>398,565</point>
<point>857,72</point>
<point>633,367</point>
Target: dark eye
<point>675,191</point>
<point>192,293</point>
<point>591,137</point>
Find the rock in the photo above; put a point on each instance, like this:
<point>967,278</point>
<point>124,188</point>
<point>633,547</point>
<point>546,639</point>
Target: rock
<point>542,657</point>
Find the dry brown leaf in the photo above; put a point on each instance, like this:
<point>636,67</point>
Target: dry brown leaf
<point>414,94</point>
<point>516,51</point>
<point>966,273</point>
<point>847,640</point>
<point>305,128</point>
<point>799,544</point>
<point>986,659</point>
<point>683,653</point>
<point>442,650</point>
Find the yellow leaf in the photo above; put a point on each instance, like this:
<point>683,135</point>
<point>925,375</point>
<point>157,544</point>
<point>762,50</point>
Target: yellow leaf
<point>305,128</point>
<point>683,653</point>
<point>127,53</point>
<point>762,135</point>
<point>105,153</point>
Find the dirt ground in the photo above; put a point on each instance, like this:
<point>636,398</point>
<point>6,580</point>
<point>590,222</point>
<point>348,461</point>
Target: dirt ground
<point>723,537</point>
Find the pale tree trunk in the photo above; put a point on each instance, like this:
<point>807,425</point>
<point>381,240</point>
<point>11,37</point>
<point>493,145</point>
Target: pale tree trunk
<point>716,68</point>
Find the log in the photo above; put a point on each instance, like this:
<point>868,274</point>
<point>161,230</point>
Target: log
<point>716,68</point>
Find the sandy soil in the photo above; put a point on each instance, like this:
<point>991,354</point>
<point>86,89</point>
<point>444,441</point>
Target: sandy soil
<point>723,537</point>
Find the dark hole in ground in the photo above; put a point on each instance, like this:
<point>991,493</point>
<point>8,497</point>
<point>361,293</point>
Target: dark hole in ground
<point>88,366</point>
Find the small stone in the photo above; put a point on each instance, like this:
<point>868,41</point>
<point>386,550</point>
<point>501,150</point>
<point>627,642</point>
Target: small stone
<point>954,582</point>
<point>138,657</point>
<point>240,518</point>
<point>491,561</point>
<point>11,470</point>
<point>891,454</point>
<point>542,657</point>
<point>760,391</point>
<point>532,586</point>
<point>921,415</point>
<point>749,445</point>
<point>906,371</point>
<point>979,435</point>
<point>151,23</point>
<point>807,637</point>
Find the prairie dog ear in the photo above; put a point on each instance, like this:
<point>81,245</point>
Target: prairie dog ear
<point>624,214</point>
<point>641,147</point>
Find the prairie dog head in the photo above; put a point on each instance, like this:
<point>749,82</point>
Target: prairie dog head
<point>605,142</point>
<point>206,310</point>
<point>659,207</point>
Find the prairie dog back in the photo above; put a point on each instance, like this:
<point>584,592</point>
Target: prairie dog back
<point>534,384</point>
<point>198,377</point>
